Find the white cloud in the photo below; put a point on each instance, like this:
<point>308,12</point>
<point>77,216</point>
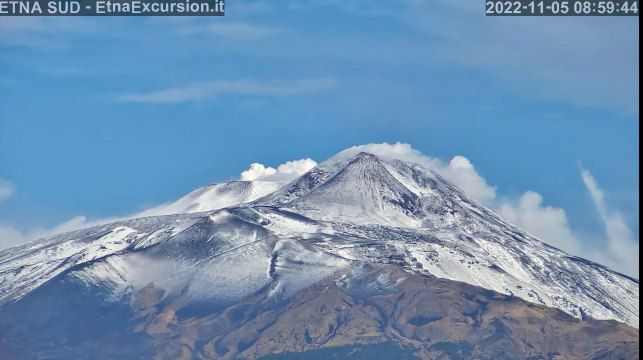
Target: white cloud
<point>622,248</point>
<point>6,189</point>
<point>544,222</point>
<point>213,89</point>
<point>459,170</point>
<point>285,172</point>
<point>257,171</point>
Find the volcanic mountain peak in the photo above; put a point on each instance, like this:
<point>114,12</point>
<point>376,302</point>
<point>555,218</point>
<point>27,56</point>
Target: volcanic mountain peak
<point>364,191</point>
<point>353,210</point>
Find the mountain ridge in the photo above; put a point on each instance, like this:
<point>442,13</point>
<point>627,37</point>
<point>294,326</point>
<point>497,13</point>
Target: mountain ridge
<point>352,209</point>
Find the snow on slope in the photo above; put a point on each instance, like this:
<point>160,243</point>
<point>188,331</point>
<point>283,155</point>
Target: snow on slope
<point>28,266</point>
<point>216,196</point>
<point>353,209</point>
<point>451,237</point>
<point>363,190</point>
<point>25,267</point>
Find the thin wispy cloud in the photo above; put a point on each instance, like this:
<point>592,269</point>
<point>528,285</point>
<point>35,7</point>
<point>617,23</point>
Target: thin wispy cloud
<point>17,23</point>
<point>618,249</point>
<point>6,189</point>
<point>214,89</point>
<point>231,30</point>
<point>11,235</point>
<point>527,54</point>
<point>43,32</point>
<point>622,248</point>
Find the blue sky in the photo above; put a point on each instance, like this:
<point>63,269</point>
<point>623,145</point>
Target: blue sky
<point>108,116</point>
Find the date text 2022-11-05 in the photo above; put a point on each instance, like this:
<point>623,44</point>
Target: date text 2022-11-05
<point>562,8</point>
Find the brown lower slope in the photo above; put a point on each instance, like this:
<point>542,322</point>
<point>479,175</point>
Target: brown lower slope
<point>439,319</point>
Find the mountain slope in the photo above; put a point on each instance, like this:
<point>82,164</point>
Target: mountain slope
<point>353,212</point>
<point>456,238</point>
<point>215,196</point>
<point>363,188</point>
<point>384,308</point>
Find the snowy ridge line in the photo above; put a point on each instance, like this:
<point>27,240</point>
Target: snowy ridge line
<point>71,264</point>
<point>352,209</point>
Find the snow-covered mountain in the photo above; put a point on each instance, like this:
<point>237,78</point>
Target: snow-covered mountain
<point>215,196</point>
<point>225,242</point>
